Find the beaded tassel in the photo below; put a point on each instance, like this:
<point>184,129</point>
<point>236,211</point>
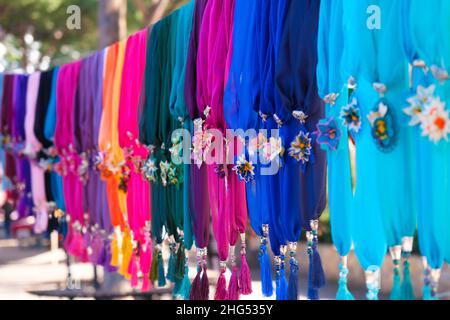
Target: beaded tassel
<point>343,292</point>
<point>407,291</point>
<point>245,281</point>
<point>161,273</point>
<point>426,291</point>
<point>204,280</point>
<point>264,262</point>
<point>173,252</point>
<point>293,272</point>
<point>281,290</point>
<point>435,275</point>
<point>233,286</point>
<point>373,282</point>
<point>318,273</point>
<point>312,291</point>
<point>396,253</point>
<point>221,287</point>
<point>196,290</point>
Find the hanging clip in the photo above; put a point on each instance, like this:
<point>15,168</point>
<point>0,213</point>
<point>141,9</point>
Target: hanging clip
<point>439,73</point>
<point>300,116</point>
<point>278,121</point>
<point>380,88</point>
<point>331,98</point>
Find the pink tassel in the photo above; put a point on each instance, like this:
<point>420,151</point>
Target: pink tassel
<point>146,285</point>
<point>245,280</point>
<point>233,289</point>
<point>204,284</point>
<point>196,289</point>
<point>221,289</point>
<point>145,261</point>
<point>133,270</point>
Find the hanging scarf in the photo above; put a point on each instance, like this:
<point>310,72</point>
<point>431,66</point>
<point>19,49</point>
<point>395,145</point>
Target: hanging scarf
<point>179,270</point>
<point>49,133</point>
<point>6,130</point>
<point>32,147</point>
<point>367,229</point>
<point>270,181</point>
<point>138,192</point>
<point>23,180</point>
<point>297,116</point>
<point>87,113</point>
<point>427,56</point>
<point>198,203</point>
<point>43,157</point>
<point>241,93</point>
<point>340,192</point>
<point>69,159</point>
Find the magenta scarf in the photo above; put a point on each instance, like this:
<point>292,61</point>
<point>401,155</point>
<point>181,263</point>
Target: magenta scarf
<point>70,162</point>
<point>138,189</point>
<point>226,193</point>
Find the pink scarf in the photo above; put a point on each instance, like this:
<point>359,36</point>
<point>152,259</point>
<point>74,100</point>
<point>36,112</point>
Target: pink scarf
<point>138,189</point>
<point>226,193</point>
<point>70,161</point>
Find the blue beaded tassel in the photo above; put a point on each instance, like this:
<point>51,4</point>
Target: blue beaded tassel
<point>396,253</point>
<point>280,276</point>
<point>426,291</point>
<point>407,290</point>
<point>343,292</point>
<point>264,262</point>
<point>293,272</point>
<point>373,282</point>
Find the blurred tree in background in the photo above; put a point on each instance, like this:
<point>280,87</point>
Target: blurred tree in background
<point>34,35</point>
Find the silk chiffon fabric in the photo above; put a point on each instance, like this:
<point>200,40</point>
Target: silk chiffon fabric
<point>68,167</point>
<point>107,127</point>
<point>358,61</point>
<point>32,147</point>
<point>25,200</point>
<point>87,112</point>
<point>180,116</point>
<point>226,194</point>
<point>138,190</point>
<point>49,133</point>
<point>431,48</point>
<point>340,193</point>
<point>198,205</point>
<point>6,130</point>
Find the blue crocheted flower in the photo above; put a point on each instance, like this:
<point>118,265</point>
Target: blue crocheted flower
<point>328,133</point>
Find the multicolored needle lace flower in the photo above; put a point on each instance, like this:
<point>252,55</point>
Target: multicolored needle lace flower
<point>382,126</point>
<point>328,133</point>
<point>351,117</point>
<point>435,122</point>
<point>164,167</point>
<point>301,147</point>
<point>244,169</point>
<point>174,175</point>
<point>272,149</point>
<point>149,170</point>
<point>428,111</point>
<point>418,103</point>
<point>201,143</point>
<point>257,144</point>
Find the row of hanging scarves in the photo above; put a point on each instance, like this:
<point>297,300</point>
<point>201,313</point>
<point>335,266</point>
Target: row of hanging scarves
<point>212,53</point>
